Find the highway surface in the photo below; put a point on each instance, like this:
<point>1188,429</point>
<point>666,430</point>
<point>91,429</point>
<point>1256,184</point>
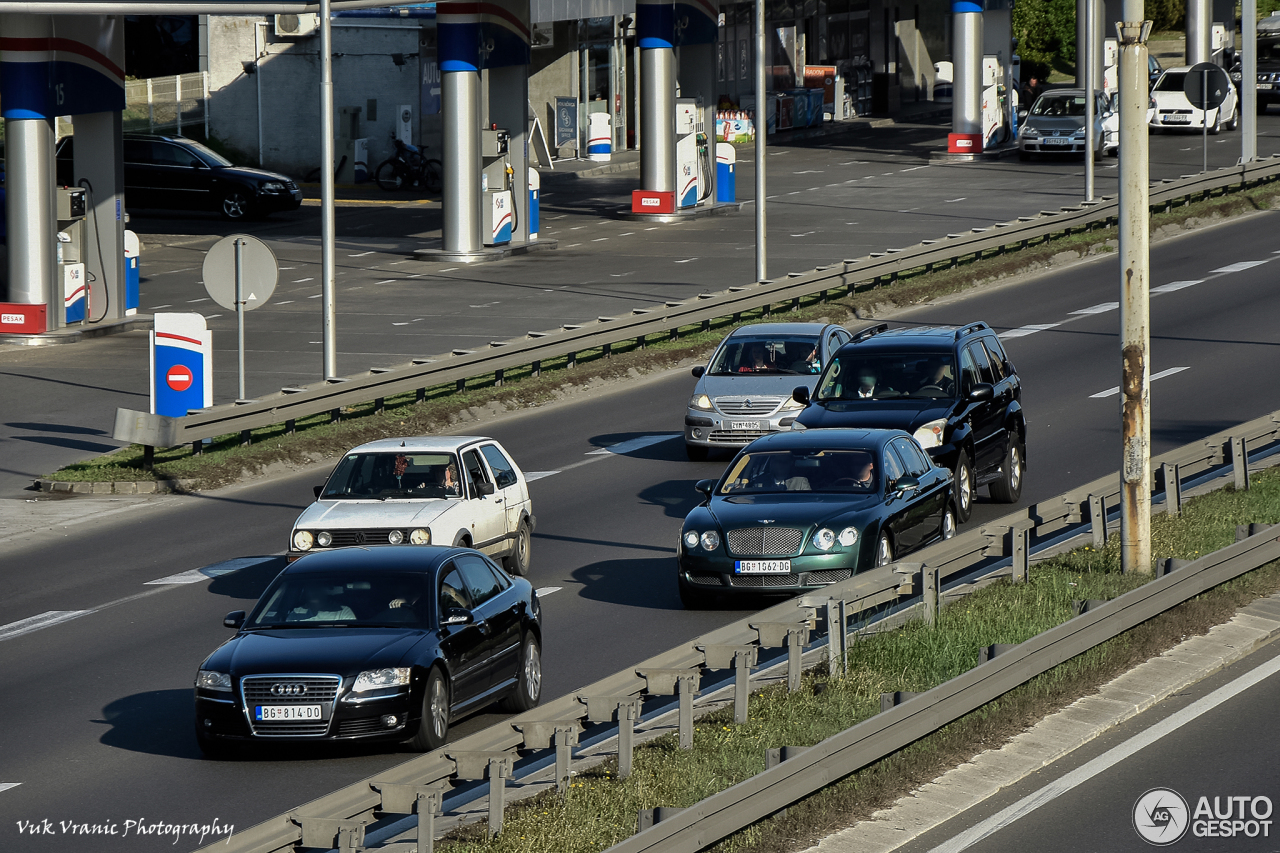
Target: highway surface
<point>831,198</point>
<point>99,724</point>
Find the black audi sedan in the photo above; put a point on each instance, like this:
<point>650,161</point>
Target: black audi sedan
<point>176,173</point>
<point>797,511</point>
<point>364,644</point>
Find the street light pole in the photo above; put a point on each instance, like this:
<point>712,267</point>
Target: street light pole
<point>762,130</point>
<point>1249,81</point>
<point>1090,132</point>
<point>1135,314</point>
<point>327,235</point>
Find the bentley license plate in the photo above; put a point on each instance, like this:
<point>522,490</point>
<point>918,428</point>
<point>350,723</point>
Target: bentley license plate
<point>746,426</point>
<point>761,567</point>
<point>268,713</point>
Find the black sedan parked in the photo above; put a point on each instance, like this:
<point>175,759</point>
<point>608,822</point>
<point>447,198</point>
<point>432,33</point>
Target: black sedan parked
<point>799,511</point>
<point>174,173</point>
<point>372,644</point>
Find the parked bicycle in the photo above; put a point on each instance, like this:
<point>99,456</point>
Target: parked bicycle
<point>408,169</point>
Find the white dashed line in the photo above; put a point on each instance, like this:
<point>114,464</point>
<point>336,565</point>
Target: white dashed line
<point>530,476</point>
<point>1111,392</point>
<point>654,228</point>
<point>1239,267</point>
<point>400,324</point>
<point>544,591</point>
<point>286,302</point>
<point>35,623</point>
<point>301,280</point>
<point>360,254</point>
<point>626,233</point>
<point>686,260</point>
<point>384,281</point>
<point>631,444</point>
<point>4,786</point>
<point>1176,285</point>
<point>226,567</point>
<point>315,296</point>
<point>599,239</point>
<point>954,200</point>
<point>1100,308</point>
<point>571,245</point>
<point>158,307</point>
<point>1029,330</point>
<point>201,299</point>
<point>912,169</point>
<point>211,316</point>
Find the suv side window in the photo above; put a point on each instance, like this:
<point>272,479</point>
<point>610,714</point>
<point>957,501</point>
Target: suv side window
<point>969,371</point>
<point>912,457</point>
<point>997,351</point>
<point>481,583</point>
<point>502,469</point>
<point>997,363</point>
<point>453,590</point>
<point>893,467</point>
<point>476,472</point>
<point>983,362</point>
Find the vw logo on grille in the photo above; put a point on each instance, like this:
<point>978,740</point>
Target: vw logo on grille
<point>359,537</point>
<point>288,689</point>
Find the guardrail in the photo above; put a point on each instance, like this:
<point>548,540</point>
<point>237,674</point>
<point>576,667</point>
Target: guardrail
<point>460,366</point>
<point>418,786</point>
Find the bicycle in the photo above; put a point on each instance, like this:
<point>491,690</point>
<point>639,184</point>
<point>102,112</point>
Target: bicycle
<point>407,168</point>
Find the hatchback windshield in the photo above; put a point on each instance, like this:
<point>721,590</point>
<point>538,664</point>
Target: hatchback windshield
<point>1172,81</point>
<point>780,471</point>
<point>1059,105</point>
<point>383,476</point>
<point>879,376</point>
<point>776,354</point>
<point>367,599</point>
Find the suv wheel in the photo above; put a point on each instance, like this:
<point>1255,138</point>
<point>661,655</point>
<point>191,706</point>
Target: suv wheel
<point>963,487</point>
<point>1008,489</point>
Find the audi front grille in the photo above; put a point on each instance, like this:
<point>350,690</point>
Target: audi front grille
<point>290,690</point>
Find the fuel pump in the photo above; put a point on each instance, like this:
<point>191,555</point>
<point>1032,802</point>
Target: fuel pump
<point>496,187</point>
<point>994,129</point>
<point>72,208</point>
<point>693,154</point>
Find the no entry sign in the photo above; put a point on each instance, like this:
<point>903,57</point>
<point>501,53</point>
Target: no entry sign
<point>179,377</point>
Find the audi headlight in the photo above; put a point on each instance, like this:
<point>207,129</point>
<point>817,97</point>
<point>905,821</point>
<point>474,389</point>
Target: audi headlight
<point>376,679</point>
<point>324,539</point>
<point>824,539</point>
<point>710,540</point>
<point>207,679</point>
<point>930,435</point>
<point>701,402</point>
<point>421,536</point>
<point>848,536</point>
<point>395,537</point>
<point>691,539</point>
<point>303,540</point>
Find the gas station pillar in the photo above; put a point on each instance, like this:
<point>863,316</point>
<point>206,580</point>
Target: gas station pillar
<point>1199,31</point>
<point>99,168</point>
<point>966,108</point>
<point>655,29</point>
<point>459,46</point>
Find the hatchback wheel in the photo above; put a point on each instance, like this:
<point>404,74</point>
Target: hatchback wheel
<point>434,729</point>
<point>963,488</point>
<point>518,563</point>
<point>528,680</point>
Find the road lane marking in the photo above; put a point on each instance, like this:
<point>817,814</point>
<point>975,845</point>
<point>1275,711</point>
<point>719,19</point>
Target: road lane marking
<point>954,200</point>
<point>216,570</point>
<point>1100,308</point>
<point>35,623</point>
<point>599,239</point>
<point>301,280</point>
<point>1111,392</point>
<point>1239,267</point>
<point>544,591</point>
<point>286,302</point>
<point>530,476</point>
<point>1176,285</point>
<point>401,324</point>
<point>359,254</point>
<point>4,786</point>
<point>450,269</point>
<point>912,169</point>
<point>624,447</point>
<point>201,299</point>
<point>315,296</point>
<point>1108,759</point>
<point>384,281</point>
<point>686,260</point>
<point>1023,331</point>
<point>158,307</point>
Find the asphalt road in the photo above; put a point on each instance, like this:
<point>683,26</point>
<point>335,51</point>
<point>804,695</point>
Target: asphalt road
<point>1206,756</point>
<point>99,726</point>
<point>831,198</point>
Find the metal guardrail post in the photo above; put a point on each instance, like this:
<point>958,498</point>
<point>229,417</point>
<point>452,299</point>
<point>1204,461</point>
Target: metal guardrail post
<point>496,767</point>
<point>648,817</point>
<point>889,701</point>
<point>795,636</point>
<point>1240,462</point>
<point>742,659</point>
<point>679,682</point>
<point>837,626</point>
<point>1244,531</point>
<point>686,689</point>
<point>626,709</point>
<point>1098,520</point>
<point>329,833</point>
<point>1172,489</point>
<point>931,595</point>
<point>1018,536</point>
<point>986,653</point>
<point>560,734</point>
<point>428,807</point>
<point>775,756</point>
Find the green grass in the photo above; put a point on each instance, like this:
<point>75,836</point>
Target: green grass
<point>600,809</point>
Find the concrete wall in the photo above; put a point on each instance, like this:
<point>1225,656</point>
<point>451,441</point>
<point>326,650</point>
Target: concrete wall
<point>554,73</point>
<point>288,79</point>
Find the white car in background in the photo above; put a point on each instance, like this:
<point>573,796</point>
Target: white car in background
<point>431,490</point>
<point>1173,110</point>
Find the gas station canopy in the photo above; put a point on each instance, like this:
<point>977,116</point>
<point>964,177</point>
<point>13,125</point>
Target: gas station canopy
<point>176,7</point>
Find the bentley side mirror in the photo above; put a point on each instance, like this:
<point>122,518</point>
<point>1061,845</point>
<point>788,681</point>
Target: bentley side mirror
<point>698,372</point>
<point>981,392</point>
<point>801,395</point>
<point>705,487</point>
<point>318,490</point>
<point>234,619</point>
<point>457,616</point>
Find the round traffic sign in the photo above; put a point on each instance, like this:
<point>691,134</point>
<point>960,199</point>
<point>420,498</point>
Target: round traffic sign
<point>179,377</point>
<point>1206,85</point>
<point>258,266</point>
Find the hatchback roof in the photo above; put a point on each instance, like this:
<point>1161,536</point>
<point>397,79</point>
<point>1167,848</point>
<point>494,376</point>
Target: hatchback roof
<point>780,329</point>
<point>419,444</point>
<point>375,558</point>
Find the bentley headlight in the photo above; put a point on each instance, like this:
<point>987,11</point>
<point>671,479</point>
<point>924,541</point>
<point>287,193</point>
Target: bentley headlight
<point>376,679</point>
<point>421,536</point>
<point>848,536</point>
<point>207,679</point>
<point>691,539</point>
<point>395,537</point>
<point>701,402</point>
<point>824,539</point>
<point>303,540</point>
<point>930,435</point>
<point>710,540</point>
<point>324,539</point>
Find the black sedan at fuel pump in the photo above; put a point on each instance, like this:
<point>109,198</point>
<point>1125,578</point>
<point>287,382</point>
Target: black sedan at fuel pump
<point>797,511</point>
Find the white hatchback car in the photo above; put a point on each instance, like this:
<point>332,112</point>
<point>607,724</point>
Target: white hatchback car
<point>1173,110</point>
<point>445,490</point>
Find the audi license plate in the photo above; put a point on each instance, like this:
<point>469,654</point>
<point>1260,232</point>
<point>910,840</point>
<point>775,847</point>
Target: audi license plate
<point>761,567</point>
<point>746,426</point>
<point>1177,119</point>
<point>269,713</point>
<point>1056,140</point>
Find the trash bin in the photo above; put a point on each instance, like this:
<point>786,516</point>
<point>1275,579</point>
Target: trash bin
<point>600,138</point>
<point>535,189</point>
<point>726,173</point>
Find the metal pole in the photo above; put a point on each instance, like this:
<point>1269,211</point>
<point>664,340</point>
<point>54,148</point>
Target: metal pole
<point>966,108</point>
<point>1248,81</point>
<point>239,244</point>
<point>658,119</point>
<point>762,130</point>
<point>1090,83</point>
<point>1204,123</point>
<point>1135,331</point>
<point>1199,31</point>
<point>327,235</point>
<point>32,217</point>
<point>460,99</point>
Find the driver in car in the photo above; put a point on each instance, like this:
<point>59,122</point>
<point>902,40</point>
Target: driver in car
<point>756,362</point>
<point>869,384</point>
<point>935,376</point>
<point>319,606</point>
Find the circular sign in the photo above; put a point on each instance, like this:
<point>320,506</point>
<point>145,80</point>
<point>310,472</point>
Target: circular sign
<point>179,377</point>
<point>1160,816</point>
<point>1206,85</point>
<point>258,269</point>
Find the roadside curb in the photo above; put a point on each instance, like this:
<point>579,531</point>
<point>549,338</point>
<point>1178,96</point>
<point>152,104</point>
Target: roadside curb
<point>118,487</point>
<point>1060,733</point>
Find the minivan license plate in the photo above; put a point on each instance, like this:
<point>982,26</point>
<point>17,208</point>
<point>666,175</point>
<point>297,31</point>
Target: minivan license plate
<point>269,713</point>
<point>761,567</point>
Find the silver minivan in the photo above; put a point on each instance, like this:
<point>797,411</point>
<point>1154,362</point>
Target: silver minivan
<point>744,391</point>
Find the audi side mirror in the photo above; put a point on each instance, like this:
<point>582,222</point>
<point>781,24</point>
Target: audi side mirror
<point>698,372</point>
<point>801,395</point>
<point>457,616</point>
<point>981,393</point>
<point>318,490</point>
<point>905,483</point>
<point>234,619</point>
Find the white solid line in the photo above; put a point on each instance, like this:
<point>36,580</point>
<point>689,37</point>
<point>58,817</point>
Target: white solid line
<point>226,567</point>
<point>544,591</point>
<point>631,444</point>
<point>1239,267</point>
<point>301,280</point>
<point>530,476</point>
<point>686,260</point>
<point>1108,759</point>
<point>4,786</point>
<point>1176,285</point>
<point>35,623</point>
<point>1100,308</point>
<point>359,254</point>
<point>1029,330</point>
<point>1111,392</point>
<point>385,281</point>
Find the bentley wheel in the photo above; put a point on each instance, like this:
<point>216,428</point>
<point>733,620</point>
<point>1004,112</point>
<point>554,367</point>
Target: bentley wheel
<point>884,551</point>
<point>434,729</point>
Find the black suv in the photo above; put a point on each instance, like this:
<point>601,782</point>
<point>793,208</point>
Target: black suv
<point>952,387</point>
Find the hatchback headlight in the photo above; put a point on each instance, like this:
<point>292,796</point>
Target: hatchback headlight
<point>303,540</point>
<point>324,539</point>
<point>710,540</point>
<point>421,536</point>
<point>207,679</point>
<point>930,435</point>
<point>701,402</point>
<point>376,679</point>
<point>848,536</point>
<point>395,537</point>
<point>691,539</point>
<point>824,539</point>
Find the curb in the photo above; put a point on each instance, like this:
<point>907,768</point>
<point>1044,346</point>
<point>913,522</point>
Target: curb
<point>118,487</point>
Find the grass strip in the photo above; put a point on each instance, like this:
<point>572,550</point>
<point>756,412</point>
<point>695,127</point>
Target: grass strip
<point>225,459</point>
<point>599,809</point>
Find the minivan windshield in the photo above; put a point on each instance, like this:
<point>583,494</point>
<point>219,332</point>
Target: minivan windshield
<point>767,354</point>
<point>385,476</point>
<point>878,376</point>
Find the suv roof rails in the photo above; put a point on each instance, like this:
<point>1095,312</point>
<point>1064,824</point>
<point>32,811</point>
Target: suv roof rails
<point>969,329</point>
<point>868,333</point>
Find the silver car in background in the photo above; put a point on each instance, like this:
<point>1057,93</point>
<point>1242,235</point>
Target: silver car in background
<point>1055,124</point>
<point>744,391</point>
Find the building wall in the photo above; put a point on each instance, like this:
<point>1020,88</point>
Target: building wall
<point>554,73</point>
